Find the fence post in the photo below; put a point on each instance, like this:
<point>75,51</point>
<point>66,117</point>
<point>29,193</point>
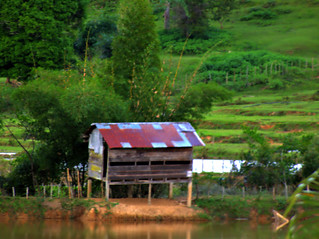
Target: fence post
<point>243,190</point>
<point>279,69</point>
<point>266,69</point>
<point>223,192</point>
<point>69,180</point>
<point>79,185</point>
<point>226,78</point>
<point>51,191</point>
<point>43,190</point>
<point>274,193</point>
<point>13,192</point>
<point>312,64</point>
<point>27,193</point>
<point>286,191</point>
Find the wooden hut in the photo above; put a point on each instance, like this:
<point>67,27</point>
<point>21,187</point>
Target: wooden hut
<point>142,153</point>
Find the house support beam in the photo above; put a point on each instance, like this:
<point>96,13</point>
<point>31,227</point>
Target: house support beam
<point>107,183</point>
<point>189,194</point>
<point>107,190</point>
<point>89,188</point>
<point>170,192</point>
<point>149,194</point>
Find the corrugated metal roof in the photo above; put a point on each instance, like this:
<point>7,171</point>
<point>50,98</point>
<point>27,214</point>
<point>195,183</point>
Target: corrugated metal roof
<point>149,135</point>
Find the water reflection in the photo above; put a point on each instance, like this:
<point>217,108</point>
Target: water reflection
<point>50,229</point>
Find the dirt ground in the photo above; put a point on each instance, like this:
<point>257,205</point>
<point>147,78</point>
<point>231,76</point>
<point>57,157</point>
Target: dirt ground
<point>127,209</point>
<point>160,209</point>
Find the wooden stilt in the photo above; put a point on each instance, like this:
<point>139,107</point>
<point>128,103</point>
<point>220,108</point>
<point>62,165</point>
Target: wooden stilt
<point>149,194</point>
<point>170,193</point>
<point>189,194</point>
<point>89,188</point>
<point>130,191</point>
<point>107,190</point>
<point>107,183</point>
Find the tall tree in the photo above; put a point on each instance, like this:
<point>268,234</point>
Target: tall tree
<point>36,34</point>
<point>198,21</point>
<point>136,45</point>
<point>221,9</point>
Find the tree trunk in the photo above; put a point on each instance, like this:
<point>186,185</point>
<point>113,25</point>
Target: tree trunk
<point>34,180</point>
<point>221,24</point>
<point>167,16</point>
<point>8,81</point>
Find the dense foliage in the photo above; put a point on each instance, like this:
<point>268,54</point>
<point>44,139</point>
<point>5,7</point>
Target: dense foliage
<point>36,34</point>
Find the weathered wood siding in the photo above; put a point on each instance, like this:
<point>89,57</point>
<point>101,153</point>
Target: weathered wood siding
<point>95,166</point>
<point>134,166</point>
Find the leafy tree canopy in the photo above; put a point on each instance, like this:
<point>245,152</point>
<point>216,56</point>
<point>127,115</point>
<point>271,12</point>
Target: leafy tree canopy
<point>36,34</point>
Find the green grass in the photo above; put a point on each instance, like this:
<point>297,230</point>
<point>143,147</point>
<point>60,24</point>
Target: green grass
<point>293,33</point>
<point>267,110</point>
<point>10,149</point>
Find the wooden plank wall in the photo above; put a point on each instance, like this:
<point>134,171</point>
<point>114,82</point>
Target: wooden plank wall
<point>95,167</point>
<point>139,166</point>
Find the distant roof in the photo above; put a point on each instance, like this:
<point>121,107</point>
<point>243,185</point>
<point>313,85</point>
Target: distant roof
<point>148,135</point>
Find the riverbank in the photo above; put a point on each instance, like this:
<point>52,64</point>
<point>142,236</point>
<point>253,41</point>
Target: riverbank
<point>124,210</point>
<point>138,210</point>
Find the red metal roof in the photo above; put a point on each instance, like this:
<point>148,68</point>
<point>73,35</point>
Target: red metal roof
<point>149,135</point>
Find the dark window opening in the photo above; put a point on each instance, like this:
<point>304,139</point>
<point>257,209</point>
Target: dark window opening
<point>177,162</point>
<point>142,163</point>
<point>157,163</point>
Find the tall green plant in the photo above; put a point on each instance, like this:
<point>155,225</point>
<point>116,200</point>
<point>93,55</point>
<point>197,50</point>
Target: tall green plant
<point>304,223</point>
<point>136,45</point>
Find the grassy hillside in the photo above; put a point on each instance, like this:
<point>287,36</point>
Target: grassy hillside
<point>274,113</point>
<point>289,27</point>
<point>285,26</point>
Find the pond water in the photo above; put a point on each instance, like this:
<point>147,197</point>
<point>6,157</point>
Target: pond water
<point>50,229</point>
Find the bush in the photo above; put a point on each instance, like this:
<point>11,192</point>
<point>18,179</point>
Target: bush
<point>98,35</point>
<point>245,69</point>
<point>173,41</point>
<point>262,14</point>
<point>276,84</point>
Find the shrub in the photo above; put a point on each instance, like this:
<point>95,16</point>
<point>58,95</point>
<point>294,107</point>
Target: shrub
<point>174,42</point>
<point>275,84</point>
<point>239,70</point>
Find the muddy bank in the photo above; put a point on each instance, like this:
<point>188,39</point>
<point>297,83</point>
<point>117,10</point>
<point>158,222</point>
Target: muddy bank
<point>116,210</point>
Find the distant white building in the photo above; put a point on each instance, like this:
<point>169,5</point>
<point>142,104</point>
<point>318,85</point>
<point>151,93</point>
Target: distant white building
<point>215,165</point>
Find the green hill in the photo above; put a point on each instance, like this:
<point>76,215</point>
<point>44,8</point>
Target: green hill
<point>277,94</point>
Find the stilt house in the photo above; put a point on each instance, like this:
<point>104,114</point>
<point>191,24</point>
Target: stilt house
<point>142,153</point>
